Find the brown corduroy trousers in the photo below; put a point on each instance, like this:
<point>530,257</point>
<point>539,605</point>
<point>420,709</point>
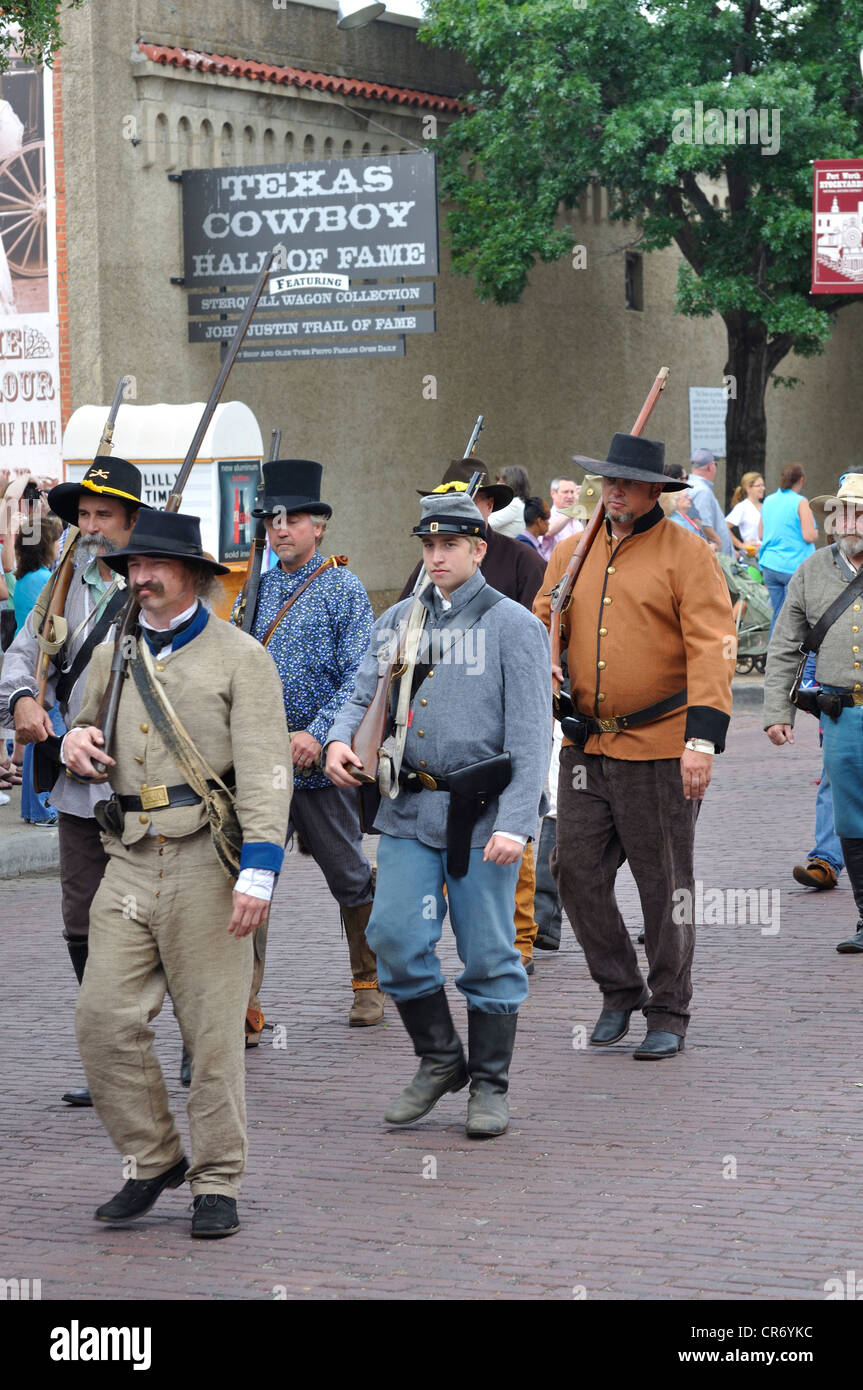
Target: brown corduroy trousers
<point>160,922</point>
<point>610,810</point>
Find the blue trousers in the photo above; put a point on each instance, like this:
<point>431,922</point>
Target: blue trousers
<point>777,582</point>
<point>827,844</point>
<point>407,921</point>
<point>34,805</point>
<point>843,762</point>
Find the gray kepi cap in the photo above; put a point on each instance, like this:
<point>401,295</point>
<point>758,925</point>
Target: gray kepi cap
<point>450,514</point>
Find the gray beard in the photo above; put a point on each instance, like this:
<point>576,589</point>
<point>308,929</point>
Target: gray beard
<point>849,546</point>
<point>90,547</point>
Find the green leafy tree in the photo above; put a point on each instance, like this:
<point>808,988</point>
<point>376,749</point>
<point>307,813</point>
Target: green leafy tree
<point>571,91</point>
<point>31,30</point>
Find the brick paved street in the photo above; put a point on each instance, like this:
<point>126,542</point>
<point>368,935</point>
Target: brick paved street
<point>611,1178</point>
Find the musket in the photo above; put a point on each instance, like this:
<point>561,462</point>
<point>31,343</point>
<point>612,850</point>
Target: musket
<point>563,592</point>
<point>249,593</point>
<point>106,719</point>
<point>52,629</point>
<point>472,487</point>
<point>371,732</point>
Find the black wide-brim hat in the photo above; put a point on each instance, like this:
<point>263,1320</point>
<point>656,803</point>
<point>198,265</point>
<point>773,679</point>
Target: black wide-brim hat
<point>459,474</point>
<point>164,536</point>
<point>633,456</point>
<point>291,485</point>
<point>115,477</point>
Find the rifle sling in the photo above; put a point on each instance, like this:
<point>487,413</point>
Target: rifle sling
<point>332,563</point>
<point>224,828</point>
<point>466,618</point>
<point>816,634</point>
<point>68,677</point>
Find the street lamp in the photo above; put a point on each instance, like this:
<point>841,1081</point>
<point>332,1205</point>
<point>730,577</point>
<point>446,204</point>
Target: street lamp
<point>354,13</point>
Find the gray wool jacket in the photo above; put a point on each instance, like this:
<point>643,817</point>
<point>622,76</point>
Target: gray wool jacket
<point>490,694</point>
<point>19,664</point>
<point>813,587</point>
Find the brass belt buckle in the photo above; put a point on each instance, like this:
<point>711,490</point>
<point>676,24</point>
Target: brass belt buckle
<point>857,697</point>
<point>609,726</point>
<point>153,797</point>
<point>428,781</point>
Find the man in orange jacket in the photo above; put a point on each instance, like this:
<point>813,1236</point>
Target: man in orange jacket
<point>650,641</point>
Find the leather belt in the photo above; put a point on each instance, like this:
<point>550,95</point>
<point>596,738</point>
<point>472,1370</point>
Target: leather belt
<point>154,798</point>
<point>413,779</point>
<point>619,722</point>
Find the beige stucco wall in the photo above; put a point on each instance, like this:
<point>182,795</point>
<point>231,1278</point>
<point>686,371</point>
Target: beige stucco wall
<point>555,374</point>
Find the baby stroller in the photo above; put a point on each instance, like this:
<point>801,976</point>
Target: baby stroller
<point>752,614</point>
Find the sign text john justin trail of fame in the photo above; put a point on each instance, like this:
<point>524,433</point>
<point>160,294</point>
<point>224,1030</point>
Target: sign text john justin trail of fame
<point>837,227</point>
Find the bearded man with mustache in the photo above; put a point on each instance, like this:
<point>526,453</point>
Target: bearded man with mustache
<point>832,576</point>
<point>104,506</point>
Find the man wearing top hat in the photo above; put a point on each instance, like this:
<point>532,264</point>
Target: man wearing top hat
<point>317,646</point>
<point>199,728</point>
<point>104,506</point>
<point>462,779</point>
<point>822,580</point>
<point>650,642</point>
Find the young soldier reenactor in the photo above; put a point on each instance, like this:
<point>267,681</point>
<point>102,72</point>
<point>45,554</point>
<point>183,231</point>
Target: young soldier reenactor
<point>463,780</point>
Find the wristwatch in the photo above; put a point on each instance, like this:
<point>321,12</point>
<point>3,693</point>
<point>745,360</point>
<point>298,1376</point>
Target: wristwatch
<point>700,745</point>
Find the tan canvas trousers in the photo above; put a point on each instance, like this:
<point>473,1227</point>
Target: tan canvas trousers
<point>160,922</point>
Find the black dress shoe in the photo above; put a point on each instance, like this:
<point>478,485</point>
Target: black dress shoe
<point>138,1195</point>
<point>186,1068</point>
<point>546,943</point>
<point>854,944</point>
<point>613,1024</point>
<point>81,1097</point>
<point>657,1045</point>
<point>215,1216</point>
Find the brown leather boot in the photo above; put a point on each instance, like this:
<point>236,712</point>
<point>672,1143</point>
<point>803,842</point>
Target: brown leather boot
<point>368,1005</point>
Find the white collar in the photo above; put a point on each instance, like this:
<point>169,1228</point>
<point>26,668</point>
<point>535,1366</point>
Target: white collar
<point>445,603</point>
<point>175,622</point>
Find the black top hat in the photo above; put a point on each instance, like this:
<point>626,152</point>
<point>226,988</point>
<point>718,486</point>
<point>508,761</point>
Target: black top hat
<point>292,485</point>
<point>115,477</point>
<point>164,536</point>
<point>633,456</point>
<point>458,476</point>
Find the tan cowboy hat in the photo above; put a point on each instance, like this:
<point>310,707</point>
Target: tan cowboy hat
<point>829,503</point>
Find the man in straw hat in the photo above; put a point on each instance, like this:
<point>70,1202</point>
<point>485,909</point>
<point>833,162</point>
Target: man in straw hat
<point>462,785</point>
<point>315,619</point>
<point>823,613</point>
<point>104,506</point>
<point>201,781</point>
<point>651,652</point>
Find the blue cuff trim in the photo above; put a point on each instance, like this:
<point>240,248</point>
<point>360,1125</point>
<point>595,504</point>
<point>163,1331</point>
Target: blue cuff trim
<point>262,854</point>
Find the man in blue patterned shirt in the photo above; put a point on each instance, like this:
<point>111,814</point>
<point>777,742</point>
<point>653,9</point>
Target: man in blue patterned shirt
<point>317,644</point>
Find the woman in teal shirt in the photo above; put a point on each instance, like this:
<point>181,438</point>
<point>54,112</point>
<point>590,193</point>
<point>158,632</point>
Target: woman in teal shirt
<point>788,534</point>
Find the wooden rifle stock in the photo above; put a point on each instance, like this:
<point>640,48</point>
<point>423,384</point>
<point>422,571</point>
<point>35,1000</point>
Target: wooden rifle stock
<point>252,582</point>
<point>367,740</point>
<point>563,594</point>
<point>62,577</point>
<point>106,719</point>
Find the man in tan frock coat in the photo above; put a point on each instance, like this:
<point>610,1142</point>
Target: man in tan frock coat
<point>165,916</point>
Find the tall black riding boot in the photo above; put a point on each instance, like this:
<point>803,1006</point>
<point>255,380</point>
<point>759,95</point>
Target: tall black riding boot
<point>491,1039</point>
<point>78,955</point>
<point>852,853</point>
<point>442,1062</point>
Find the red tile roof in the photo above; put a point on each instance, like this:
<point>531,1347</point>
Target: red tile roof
<point>296,77</point>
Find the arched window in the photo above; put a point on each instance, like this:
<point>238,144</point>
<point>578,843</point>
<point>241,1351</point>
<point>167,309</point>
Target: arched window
<point>309,147</point>
<point>347,150</point>
<point>186,153</point>
<point>250,141</point>
<point>328,147</point>
<point>226,144</point>
<point>288,146</point>
<point>205,144</point>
